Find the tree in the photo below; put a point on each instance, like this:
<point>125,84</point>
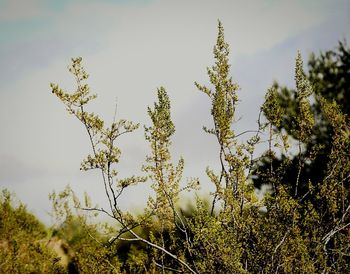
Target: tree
<point>302,226</point>
<point>106,155</point>
<point>234,192</point>
<point>328,74</point>
<point>319,204</point>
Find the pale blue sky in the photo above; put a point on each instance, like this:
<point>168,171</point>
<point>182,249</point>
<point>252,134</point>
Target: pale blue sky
<point>130,48</point>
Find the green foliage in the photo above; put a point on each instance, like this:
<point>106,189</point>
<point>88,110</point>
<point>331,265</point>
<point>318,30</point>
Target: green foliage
<point>164,175</point>
<point>106,155</point>
<point>319,221</point>
<point>302,225</point>
<point>161,171</point>
<point>305,119</point>
<point>224,96</point>
<point>85,244</point>
<point>23,241</point>
<point>232,186</point>
<point>328,75</point>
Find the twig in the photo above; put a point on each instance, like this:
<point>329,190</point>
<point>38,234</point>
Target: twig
<point>278,246</point>
<point>168,268</point>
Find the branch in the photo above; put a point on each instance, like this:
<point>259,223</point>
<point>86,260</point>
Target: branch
<point>163,250</point>
<point>331,233</point>
<point>247,131</point>
<point>168,268</point>
<point>278,246</point>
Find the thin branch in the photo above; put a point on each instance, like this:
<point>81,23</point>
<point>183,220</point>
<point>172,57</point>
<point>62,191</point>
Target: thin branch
<point>163,250</point>
<point>247,131</point>
<point>330,234</point>
<point>346,211</point>
<point>299,170</point>
<point>115,110</point>
<point>332,171</point>
<point>168,268</point>
<point>278,246</point>
<point>93,145</point>
<point>96,209</point>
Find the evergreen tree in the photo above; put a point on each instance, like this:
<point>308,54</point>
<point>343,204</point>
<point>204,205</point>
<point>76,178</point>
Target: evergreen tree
<point>328,75</point>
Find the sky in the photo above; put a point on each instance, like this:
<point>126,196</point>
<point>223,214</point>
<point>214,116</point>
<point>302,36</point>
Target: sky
<point>130,48</point>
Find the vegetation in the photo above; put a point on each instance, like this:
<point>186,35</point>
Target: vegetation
<point>301,226</point>
<point>329,75</point>
<point>23,240</point>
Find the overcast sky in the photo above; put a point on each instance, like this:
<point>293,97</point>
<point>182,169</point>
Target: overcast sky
<point>130,48</point>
